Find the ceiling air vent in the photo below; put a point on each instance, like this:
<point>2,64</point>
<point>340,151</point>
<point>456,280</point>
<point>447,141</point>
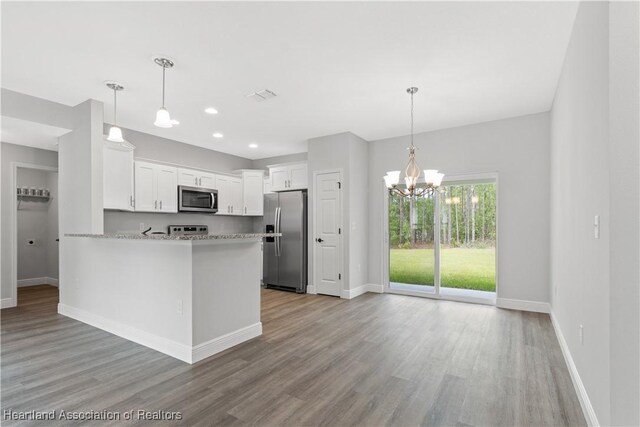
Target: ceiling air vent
<point>262,95</point>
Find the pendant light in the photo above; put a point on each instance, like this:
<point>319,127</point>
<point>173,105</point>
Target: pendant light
<point>163,120</point>
<point>432,177</point>
<point>115,133</point>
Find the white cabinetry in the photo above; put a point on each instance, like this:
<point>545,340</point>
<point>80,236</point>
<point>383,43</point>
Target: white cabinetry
<point>194,178</point>
<point>229,195</point>
<point>288,177</point>
<point>252,193</point>
<point>118,176</point>
<point>156,188</point>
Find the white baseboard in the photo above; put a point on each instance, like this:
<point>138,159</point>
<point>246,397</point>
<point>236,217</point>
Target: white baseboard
<point>311,289</point>
<point>38,281</point>
<point>518,304</point>
<point>583,397</point>
<point>163,345</point>
<point>377,289</point>
<point>183,352</point>
<point>356,292</point>
<point>216,345</point>
<point>7,303</point>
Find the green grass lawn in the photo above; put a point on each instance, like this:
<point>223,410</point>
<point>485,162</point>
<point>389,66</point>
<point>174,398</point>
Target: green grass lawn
<point>459,267</point>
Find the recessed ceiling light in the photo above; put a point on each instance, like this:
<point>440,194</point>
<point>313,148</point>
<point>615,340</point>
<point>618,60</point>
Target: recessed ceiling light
<point>210,110</point>
<point>253,145</point>
<point>218,135</point>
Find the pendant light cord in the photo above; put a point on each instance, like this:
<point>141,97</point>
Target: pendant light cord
<point>115,107</point>
<point>164,69</point>
<point>412,119</point>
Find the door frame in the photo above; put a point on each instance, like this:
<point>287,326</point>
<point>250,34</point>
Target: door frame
<point>451,179</point>
<point>311,288</point>
<point>13,221</point>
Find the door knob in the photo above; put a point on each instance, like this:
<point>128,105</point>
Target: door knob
<point>319,240</point>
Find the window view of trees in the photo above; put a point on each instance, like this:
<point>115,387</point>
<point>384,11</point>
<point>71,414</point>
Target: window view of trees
<point>467,217</point>
<point>467,236</point>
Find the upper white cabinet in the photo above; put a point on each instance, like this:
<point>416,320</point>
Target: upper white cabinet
<point>229,195</point>
<point>156,188</point>
<point>194,178</point>
<point>288,177</point>
<point>118,176</point>
<point>252,193</point>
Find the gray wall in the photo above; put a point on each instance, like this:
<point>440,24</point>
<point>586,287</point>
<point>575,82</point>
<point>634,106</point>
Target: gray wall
<point>154,148</point>
<point>290,158</point>
<point>518,150</point>
<point>15,153</point>
<point>594,171</point>
<point>37,220</point>
<point>624,210</point>
<point>349,153</point>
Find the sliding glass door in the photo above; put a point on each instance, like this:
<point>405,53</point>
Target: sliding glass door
<point>412,243</point>
<point>445,244</point>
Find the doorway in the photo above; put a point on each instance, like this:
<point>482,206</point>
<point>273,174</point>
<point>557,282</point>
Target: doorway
<point>35,237</point>
<point>327,231</point>
<point>444,245</point>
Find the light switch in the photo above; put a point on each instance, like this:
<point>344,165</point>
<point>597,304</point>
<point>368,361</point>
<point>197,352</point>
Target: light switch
<point>596,226</point>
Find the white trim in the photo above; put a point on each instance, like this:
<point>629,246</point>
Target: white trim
<point>518,304</point>
<point>184,352</point>
<point>13,219</point>
<point>376,289</point>
<point>7,303</point>
<point>216,345</point>
<point>355,292</point>
<point>163,345</point>
<point>311,289</point>
<point>37,281</point>
<point>583,397</point>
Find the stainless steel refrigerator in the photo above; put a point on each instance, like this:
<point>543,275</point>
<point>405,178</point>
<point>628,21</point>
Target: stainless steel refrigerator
<point>285,258</point>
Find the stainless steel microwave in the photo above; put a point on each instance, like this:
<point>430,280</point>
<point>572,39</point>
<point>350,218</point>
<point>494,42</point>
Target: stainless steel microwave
<point>195,199</point>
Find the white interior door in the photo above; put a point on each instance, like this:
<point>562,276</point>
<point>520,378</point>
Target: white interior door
<point>327,242</point>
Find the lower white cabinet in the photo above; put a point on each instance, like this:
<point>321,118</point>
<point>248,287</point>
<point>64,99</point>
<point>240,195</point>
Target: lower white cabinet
<point>156,188</point>
<point>118,176</point>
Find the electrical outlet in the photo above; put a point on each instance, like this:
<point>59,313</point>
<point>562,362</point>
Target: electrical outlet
<point>581,335</point>
<point>179,307</point>
<point>142,226</point>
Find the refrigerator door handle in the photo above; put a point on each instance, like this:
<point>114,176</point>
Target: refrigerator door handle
<point>278,249</point>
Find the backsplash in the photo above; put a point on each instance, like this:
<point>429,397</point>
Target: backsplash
<point>127,222</point>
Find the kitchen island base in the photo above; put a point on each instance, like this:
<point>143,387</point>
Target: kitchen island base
<point>186,298</point>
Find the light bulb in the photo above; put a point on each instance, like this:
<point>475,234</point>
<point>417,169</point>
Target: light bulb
<point>387,181</point>
<point>163,120</point>
<point>115,134</point>
<point>438,179</point>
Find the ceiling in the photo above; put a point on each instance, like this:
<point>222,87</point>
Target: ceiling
<point>31,134</point>
<point>335,66</point>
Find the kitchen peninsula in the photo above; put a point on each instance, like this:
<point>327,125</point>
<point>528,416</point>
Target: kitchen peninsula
<point>187,296</point>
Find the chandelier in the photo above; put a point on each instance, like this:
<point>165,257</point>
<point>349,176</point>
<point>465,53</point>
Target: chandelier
<point>432,178</point>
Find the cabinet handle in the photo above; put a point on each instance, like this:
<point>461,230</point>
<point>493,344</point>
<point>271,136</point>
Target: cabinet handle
<point>160,204</point>
<point>199,181</point>
<point>196,180</point>
<point>131,200</point>
<point>245,209</point>
<point>155,205</point>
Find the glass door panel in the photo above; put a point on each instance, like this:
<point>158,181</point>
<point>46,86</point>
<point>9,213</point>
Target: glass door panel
<point>412,235</point>
<point>468,239</point>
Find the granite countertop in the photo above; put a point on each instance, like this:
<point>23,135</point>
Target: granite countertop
<point>174,237</point>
